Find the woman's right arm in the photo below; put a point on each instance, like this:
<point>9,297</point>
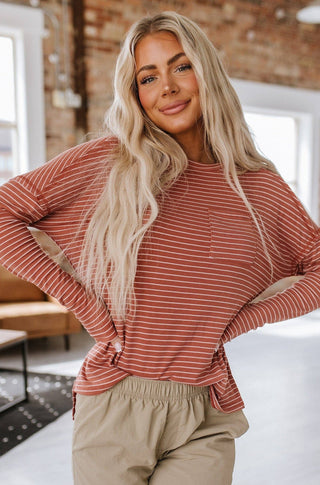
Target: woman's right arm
<point>20,206</point>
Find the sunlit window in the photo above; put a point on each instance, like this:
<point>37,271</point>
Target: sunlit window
<point>22,125</point>
<point>276,138</point>
<point>8,118</point>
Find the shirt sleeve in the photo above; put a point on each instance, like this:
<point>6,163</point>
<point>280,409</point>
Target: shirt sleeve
<point>23,202</point>
<point>298,241</point>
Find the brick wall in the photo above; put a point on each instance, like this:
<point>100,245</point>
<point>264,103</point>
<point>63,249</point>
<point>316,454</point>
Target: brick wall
<point>258,40</point>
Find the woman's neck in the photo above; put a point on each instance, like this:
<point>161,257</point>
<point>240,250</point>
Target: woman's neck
<point>193,146</point>
<point>197,153</point>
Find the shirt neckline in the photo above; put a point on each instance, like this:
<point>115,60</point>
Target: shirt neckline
<point>206,167</point>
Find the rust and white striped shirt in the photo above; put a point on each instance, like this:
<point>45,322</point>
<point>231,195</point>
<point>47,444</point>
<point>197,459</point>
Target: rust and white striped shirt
<point>198,268</point>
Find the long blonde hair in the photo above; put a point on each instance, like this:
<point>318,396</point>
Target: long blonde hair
<point>148,160</point>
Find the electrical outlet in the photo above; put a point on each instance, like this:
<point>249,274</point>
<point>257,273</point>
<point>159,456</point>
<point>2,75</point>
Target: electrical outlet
<point>66,99</point>
<point>73,100</point>
<point>59,99</point>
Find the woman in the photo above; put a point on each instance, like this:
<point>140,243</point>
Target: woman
<point>177,230</point>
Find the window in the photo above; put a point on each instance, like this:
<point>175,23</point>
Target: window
<point>276,137</point>
<point>285,126</point>
<point>8,122</point>
<point>22,130</point>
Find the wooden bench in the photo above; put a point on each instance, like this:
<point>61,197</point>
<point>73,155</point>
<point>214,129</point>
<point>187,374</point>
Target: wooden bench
<point>12,338</point>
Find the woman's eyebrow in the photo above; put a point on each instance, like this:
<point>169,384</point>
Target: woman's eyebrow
<point>173,59</point>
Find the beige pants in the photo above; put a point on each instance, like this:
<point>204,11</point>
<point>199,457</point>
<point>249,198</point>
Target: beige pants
<point>153,432</point>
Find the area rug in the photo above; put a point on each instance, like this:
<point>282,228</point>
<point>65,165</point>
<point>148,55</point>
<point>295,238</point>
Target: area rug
<point>50,396</point>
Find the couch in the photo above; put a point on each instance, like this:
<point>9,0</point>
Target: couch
<point>23,306</point>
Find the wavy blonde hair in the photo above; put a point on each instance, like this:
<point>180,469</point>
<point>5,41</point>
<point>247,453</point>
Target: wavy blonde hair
<point>148,161</point>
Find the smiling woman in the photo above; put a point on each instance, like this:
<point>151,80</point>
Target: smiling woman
<point>169,92</point>
<point>180,236</point>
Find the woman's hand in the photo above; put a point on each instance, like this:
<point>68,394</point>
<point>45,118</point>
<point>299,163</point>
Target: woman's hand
<point>116,343</point>
<point>277,287</point>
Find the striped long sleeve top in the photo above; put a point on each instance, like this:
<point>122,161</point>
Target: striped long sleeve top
<point>198,268</point>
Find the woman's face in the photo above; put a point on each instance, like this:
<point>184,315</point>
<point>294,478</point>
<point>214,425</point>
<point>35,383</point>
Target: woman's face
<point>167,86</point>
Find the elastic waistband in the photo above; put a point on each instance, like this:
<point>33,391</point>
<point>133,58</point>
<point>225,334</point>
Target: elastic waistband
<point>154,389</point>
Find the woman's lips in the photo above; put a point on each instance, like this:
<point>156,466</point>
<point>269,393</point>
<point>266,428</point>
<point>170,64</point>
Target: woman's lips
<point>173,108</point>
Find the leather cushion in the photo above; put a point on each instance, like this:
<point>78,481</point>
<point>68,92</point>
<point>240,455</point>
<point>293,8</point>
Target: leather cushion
<point>14,289</point>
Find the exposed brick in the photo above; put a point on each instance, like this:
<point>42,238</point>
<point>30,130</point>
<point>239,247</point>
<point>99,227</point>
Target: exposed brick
<point>113,31</point>
<point>254,43</point>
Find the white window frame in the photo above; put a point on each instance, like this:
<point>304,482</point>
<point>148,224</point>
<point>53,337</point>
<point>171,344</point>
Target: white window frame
<point>304,105</point>
<point>26,25</point>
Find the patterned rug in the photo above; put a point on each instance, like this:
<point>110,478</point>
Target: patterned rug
<point>50,396</point>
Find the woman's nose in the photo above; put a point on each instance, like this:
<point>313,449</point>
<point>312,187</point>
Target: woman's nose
<point>169,87</point>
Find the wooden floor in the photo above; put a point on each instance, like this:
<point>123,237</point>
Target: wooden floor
<point>278,373</point>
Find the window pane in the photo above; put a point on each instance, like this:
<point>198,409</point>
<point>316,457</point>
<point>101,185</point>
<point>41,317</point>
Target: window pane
<point>276,139</point>
<point>7,154</point>
<point>7,86</point>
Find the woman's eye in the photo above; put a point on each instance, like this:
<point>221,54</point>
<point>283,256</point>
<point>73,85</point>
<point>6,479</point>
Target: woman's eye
<point>147,79</point>
<point>184,67</point>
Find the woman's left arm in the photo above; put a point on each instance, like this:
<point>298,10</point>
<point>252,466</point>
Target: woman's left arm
<point>291,297</point>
